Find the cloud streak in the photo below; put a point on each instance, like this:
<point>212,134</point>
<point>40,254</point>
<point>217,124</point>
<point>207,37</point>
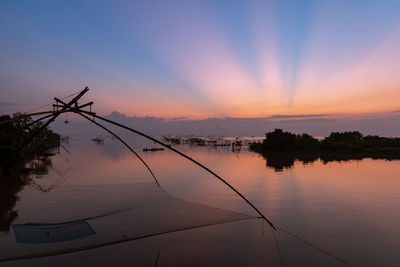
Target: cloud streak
<point>297,116</point>
<point>315,124</point>
<point>8,104</point>
<point>200,59</point>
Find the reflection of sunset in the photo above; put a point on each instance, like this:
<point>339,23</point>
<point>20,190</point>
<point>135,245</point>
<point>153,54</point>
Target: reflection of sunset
<point>245,169</point>
<point>355,201</point>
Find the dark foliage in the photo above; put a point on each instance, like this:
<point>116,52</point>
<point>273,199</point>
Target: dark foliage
<point>12,135</point>
<point>281,149</point>
<point>31,160</point>
<point>11,183</point>
<point>278,140</point>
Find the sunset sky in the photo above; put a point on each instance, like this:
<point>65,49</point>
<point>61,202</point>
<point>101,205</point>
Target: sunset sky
<point>200,59</point>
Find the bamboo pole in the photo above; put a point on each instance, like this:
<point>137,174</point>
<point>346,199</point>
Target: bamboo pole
<point>29,114</point>
<point>122,141</point>
<point>41,128</point>
<point>189,158</point>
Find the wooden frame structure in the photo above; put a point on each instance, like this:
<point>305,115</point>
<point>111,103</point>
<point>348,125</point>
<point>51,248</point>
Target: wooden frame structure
<point>73,106</point>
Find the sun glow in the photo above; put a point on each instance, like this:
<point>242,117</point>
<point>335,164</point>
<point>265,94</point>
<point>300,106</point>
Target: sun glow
<point>205,59</point>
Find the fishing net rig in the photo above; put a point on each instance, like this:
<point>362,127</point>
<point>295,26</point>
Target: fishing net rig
<point>72,106</point>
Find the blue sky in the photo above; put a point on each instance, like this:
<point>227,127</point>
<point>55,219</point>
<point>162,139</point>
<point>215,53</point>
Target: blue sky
<point>203,58</point>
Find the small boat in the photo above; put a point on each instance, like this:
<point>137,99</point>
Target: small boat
<point>153,149</point>
<point>98,140</point>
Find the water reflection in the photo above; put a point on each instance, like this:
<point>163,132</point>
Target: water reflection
<point>347,207</point>
<point>286,159</point>
<point>10,185</point>
<point>12,182</point>
<point>280,160</point>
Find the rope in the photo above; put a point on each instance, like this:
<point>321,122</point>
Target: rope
<point>207,169</point>
<point>49,104</point>
<point>278,248</point>
<point>105,244</point>
<point>24,115</point>
<point>76,110</point>
<point>314,246</point>
<point>262,216</point>
<point>25,127</point>
<point>68,106</point>
<point>187,157</point>
<point>122,141</point>
<point>54,116</point>
<point>29,113</point>
<point>157,258</point>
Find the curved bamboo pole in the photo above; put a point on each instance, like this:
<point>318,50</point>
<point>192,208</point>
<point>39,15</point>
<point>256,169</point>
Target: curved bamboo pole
<point>122,141</point>
<point>77,110</point>
<point>29,114</point>
<point>53,117</point>
<point>26,126</point>
<point>187,157</point>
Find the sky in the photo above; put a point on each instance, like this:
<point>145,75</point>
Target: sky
<point>203,59</point>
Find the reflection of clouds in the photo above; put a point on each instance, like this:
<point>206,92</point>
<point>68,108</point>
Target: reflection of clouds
<point>115,150</point>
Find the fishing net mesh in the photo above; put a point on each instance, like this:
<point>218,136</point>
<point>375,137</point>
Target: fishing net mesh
<point>74,218</point>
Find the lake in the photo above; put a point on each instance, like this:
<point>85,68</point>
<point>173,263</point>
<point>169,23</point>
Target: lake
<point>350,209</point>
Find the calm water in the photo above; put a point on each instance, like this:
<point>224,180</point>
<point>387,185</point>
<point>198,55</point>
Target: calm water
<point>348,208</point>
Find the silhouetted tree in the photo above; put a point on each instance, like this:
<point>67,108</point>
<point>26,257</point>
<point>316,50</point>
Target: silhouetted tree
<point>338,146</point>
<point>32,160</point>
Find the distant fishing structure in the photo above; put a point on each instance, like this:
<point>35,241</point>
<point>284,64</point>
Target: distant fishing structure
<point>73,106</point>
<point>99,140</point>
